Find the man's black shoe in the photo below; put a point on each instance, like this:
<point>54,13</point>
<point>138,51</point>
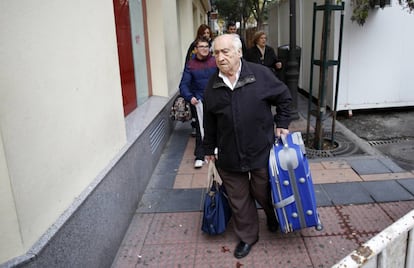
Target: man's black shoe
<point>272,226</point>
<point>242,249</point>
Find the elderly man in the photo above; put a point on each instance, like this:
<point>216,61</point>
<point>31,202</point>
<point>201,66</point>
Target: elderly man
<point>238,122</point>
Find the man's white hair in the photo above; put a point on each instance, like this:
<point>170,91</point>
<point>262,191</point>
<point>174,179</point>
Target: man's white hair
<point>236,42</point>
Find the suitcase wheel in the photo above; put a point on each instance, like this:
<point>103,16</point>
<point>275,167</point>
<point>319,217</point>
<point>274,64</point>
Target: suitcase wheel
<point>319,226</point>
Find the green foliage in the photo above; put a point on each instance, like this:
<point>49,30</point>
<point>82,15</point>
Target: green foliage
<point>259,10</point>
<point>233,10</point>
<point>361,8</point>
<point>229,10</point>
<point>407,4</point>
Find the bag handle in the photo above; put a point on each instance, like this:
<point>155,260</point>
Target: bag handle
<point>212,175</point>
<point>282,139</point>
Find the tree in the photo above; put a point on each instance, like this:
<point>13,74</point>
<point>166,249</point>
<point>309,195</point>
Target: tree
<point>229,10</point>
<point>407,4</point>
<point>258,10</point>
<point>234,10</point>
<point>361,8</point>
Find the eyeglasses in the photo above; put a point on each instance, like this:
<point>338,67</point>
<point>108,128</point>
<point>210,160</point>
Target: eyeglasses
<point>203,47</point>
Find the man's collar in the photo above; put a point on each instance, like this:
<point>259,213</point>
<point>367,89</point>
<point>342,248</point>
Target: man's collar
<point>226,79</point>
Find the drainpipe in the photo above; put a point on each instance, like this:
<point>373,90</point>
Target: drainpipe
<point>292,71</point>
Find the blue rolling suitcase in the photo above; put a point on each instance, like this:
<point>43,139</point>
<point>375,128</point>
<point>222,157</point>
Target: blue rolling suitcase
<point>291,185</point>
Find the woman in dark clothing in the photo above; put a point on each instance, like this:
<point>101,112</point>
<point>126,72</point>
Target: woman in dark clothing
<point>262,53</point>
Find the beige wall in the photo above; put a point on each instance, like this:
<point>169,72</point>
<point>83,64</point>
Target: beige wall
<point>200,14</point>
<point>169,37</point>
<point>61,115</point>
<point>157,47</point>
<point>172,40</point>
<point>185,11</point>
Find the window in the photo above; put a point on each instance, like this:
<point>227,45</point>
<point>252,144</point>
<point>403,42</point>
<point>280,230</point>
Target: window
<point>132,52</point>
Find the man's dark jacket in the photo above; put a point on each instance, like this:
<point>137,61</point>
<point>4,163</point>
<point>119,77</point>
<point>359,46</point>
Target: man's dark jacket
<point>239,122</point>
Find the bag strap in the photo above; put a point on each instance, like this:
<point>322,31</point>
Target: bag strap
<point>212,175</point>
<point>284,140</point>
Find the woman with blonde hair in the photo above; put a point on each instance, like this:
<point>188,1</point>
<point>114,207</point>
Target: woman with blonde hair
<point>263,54</point>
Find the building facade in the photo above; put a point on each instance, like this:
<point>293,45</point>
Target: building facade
<point>85,93</point>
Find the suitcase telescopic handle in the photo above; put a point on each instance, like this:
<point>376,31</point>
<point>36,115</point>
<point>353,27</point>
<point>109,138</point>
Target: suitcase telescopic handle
<point>283,139</point>
<point>280,140</point>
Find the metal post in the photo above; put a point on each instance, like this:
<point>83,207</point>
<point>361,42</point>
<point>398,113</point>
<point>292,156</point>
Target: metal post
<point>337,74</point>
<point>321,112</point>
<point>311,77</point>
<point>292,73</point>
<point>241,18</point>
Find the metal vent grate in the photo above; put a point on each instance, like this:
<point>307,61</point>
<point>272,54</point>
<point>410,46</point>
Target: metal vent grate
<point>385,142</point>
<point>157,134</point>
<point>344,147</point>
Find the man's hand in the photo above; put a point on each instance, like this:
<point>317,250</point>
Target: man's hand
<point>209,158</point>
<point>194,101</point>
<point>281,131</point>
<point>278,65</point>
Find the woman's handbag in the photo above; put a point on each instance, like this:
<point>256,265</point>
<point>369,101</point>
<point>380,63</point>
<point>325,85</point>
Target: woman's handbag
<point>180,110</point>
<point>217,211</point>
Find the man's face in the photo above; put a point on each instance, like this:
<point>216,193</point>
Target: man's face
<point>227,57</point>
<point>232,29</point>
<point>202,50</point>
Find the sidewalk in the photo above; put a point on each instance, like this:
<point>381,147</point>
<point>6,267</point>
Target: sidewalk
<point>358,196</point>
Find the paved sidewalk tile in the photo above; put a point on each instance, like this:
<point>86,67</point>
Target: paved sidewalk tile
<point>408,184</point>
<point>175,239</point>
<point>397,209</point>
<point>313,165</point>
<point>324,250</point>
<point>322,198</point>
<point>369,166</point>
<point>183,181</point>
<point>173,200</point>
<point>386,191</point>
<point>129,253</point>
<point>334,175</point>
<point>347,193</point>
<point>387,176</point>
<point>335,164</point>
<point>391,165</point>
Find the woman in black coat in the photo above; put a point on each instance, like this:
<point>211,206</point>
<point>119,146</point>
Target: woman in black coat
<point>262,53</point>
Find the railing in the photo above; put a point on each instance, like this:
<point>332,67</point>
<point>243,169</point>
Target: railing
<point>391,248</point>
